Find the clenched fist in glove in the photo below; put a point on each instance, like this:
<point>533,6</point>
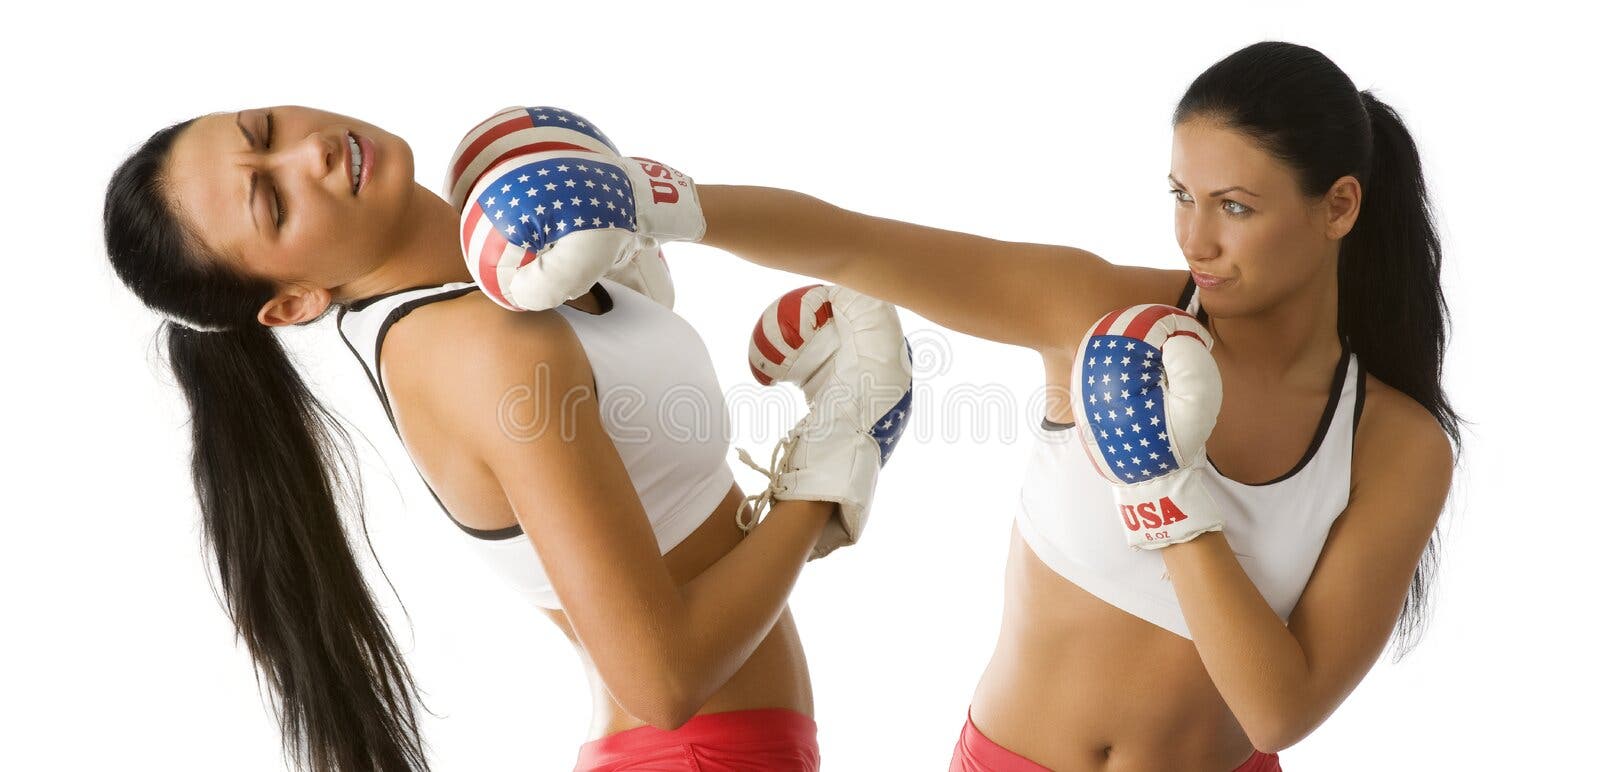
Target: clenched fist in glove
<point>1146,396</point>
<point>846,351</point>
<point>548,206</point>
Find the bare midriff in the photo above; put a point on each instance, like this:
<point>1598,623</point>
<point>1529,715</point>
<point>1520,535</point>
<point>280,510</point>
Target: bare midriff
<point>1078,684</point>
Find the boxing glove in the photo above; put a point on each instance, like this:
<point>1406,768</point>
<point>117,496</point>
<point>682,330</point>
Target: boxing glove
<point>1147,394</point>
<point>548,206</point>
<point>648,275</point>
<point>847,353</point>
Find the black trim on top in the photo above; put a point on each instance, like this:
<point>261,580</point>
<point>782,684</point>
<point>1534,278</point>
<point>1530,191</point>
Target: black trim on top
<point>1188,292</point>
<point>1051,426</point>
<point>1361,399</point>
<point>361,303</point>
<point>1187,297</point>
<point>396,315</point>
<point>1335,391</point>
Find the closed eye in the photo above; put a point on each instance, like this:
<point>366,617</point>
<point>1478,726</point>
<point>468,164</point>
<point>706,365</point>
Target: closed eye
<point>277,199</point>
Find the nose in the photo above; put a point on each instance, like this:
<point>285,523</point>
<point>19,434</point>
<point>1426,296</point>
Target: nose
<point>1197,237</point>
<point>317,154</point>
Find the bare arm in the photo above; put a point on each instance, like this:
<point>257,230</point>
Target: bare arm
<point>1281,681</point>
<point>662,650</point>
<point>1034,295</point>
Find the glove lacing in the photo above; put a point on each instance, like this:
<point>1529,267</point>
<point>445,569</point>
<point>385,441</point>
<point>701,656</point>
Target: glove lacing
<point>775,467</point>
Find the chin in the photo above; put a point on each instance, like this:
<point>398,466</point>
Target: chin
<point>1224,304</point>
<point>408,161</point>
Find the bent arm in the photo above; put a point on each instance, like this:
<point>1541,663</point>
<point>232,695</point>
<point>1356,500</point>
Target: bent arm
<point>1282,681</point>
<point>1035,295</point>
<point>661,649</point>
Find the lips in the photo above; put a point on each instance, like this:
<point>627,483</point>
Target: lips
<point>349,159</point>
<point>1206,279</point>
<point>368,157</point>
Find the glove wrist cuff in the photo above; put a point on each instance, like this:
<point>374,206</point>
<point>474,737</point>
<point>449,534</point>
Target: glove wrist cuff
<point>1166,511</point>
<point>666,201</point>
<point>841,468</point>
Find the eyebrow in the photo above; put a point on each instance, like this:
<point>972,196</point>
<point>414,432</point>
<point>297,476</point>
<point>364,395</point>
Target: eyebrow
<point>1216,193</point>
<point>250,199</point>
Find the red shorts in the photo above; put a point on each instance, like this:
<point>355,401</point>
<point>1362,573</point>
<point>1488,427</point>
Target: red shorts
<point>976,753</point>
<point>776,739</point>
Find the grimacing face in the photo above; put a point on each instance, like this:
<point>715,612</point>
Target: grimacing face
<point>305,228</point>
<point>1240,216</point>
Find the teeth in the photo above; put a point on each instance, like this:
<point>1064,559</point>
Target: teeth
<point>355,162</point>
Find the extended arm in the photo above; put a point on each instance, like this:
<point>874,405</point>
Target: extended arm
<point>1034,295</point>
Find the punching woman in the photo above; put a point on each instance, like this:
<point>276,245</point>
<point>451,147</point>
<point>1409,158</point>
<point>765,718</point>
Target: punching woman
<point>627,530</point>
<point>1313,266</point>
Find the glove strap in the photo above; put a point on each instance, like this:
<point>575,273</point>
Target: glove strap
<point>763,501</point>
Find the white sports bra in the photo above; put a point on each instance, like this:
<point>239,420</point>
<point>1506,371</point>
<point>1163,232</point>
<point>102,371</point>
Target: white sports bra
<point>1276,528</point>
<point>660,403</point>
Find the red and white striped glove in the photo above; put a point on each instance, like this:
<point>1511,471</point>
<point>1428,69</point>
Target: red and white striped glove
<point>846,351</point>
<point>549,206</point>
<point>1147,394</point>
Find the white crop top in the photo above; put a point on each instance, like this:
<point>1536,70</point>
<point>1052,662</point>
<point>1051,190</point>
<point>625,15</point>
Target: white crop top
<point>1276,528</point>
<point>660,403</point>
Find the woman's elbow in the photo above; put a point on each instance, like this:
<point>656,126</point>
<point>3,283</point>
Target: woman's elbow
<point>660,699</point>
<point>1275,736</point>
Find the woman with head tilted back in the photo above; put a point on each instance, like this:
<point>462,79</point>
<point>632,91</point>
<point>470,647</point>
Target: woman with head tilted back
<point>1312,265</point>
<point>629,533</point>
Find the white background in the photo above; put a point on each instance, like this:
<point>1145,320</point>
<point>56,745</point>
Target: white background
<point>1045,124</point>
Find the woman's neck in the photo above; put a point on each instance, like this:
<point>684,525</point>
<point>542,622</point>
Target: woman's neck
<point>1294,342</point>
<point>428,255</point>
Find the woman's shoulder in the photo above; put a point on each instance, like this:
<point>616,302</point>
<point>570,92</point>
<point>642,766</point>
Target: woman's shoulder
<point>1168,283</point>
<point>1389,409</point>
<point>466,344</point>
<point>466,324</point>
<point>1395,429</point>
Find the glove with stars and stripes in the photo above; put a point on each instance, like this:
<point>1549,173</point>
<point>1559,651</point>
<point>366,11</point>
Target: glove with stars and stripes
<point>846,351</point>
<point>1146,396</point>
<point>548,206</point>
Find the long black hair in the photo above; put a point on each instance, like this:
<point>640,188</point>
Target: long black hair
<point>1297,105</point>
<point>270,465</point>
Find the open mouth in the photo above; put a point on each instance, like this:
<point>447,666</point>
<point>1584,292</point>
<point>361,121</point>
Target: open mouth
<point>358,160</point>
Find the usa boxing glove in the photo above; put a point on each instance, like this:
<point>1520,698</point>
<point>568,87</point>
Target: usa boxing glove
<point>847,353</point>
<point>1146,397</point>
<point>548,206</point>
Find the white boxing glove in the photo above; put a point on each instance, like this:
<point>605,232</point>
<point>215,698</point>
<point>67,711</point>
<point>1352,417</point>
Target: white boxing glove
<point>846,351</point>
<point>1146,397</point>
<point>548,206</point>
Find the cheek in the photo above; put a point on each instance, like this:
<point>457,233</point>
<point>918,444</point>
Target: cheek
<point>317,238</point>
<point>1276,254</point>
<point>1182,222</point>
<point>298,264</point>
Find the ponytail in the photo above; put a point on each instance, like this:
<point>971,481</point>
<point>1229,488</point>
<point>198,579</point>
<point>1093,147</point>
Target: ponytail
<point>269,464</point>
<point>1302,109</point>
<point>263,448</point>
<point>1393,309</point>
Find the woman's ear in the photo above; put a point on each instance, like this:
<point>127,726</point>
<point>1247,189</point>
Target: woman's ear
<point>294,305</point>
<point>1344,204</point>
